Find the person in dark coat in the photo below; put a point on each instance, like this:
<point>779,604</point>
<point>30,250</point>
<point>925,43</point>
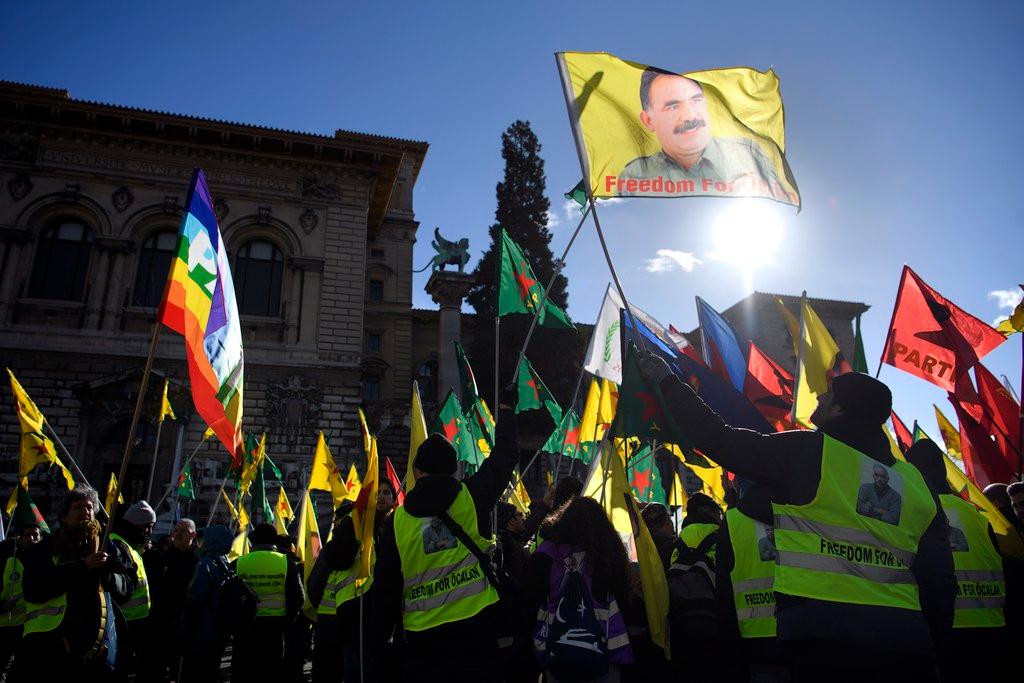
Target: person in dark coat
<point>864,642</point>
<point>465,649</point>
<point>205,637</point>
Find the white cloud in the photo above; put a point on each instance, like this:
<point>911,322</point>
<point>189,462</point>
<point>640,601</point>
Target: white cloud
<point>552,220</point>
<point>1006,298</point>
<point>571,208</point>
<point>611,200</point>
<point>668,259</point>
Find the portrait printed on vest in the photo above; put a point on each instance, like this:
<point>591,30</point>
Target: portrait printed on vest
<point>957,537</point>
<point>766,542</point>
<point>881,492</point>
<point>436,536</point>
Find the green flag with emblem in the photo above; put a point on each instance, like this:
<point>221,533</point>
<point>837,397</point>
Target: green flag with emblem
<point>566,439</point>
<point>518,288</point>
<point>453,425</point>
<point>185,488</point>
<point>644,477</point>
<point>533,394</point>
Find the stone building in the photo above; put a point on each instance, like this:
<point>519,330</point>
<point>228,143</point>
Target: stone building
<point>320,231</point>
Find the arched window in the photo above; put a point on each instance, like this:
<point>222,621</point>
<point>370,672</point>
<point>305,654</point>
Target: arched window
<point>259,269</point>
<point>62,261</point>
<point>154,262</point>
<point>426,380</point>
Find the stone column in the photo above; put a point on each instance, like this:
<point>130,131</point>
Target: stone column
<point>448,289</point>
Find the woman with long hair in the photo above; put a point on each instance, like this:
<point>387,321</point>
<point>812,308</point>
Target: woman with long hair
<point>581,563</point>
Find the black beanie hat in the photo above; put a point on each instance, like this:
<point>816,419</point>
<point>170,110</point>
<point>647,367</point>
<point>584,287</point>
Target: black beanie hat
<point>862,397</point>
<point>435,456</point>
<point>263,534</point>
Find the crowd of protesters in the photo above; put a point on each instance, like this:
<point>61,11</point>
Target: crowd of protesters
<point>807,575</point>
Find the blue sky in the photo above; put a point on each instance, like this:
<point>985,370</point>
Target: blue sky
<point>900,125</point>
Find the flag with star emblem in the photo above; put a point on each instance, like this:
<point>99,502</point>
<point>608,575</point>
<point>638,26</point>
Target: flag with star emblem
<point>477,414</point>
<point>36,448</point>
<point>453,425</point>
<point>185,488</point>
<point>325,475</point>
<point>518,288</point>
<point>640,412</point>
<point>566,439</point>
<point>533,394</point>
<point>283,512</point>
<point>644,477</point>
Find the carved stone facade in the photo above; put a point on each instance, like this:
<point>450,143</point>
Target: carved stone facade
<point>320,231</point>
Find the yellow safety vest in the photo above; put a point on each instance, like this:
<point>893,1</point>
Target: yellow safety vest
<point>45,616</point>
<point>444,581</point>
<point>138,605</point>
<point>752,576</point>
<point>835,549</point>
<point>265,571</point>
<point>980,585</point>
<point>341,586</point>
<point>692,536</point>
<point>13,571</point>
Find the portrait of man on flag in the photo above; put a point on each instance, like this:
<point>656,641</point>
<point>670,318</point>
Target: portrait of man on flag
<point>649,132</point>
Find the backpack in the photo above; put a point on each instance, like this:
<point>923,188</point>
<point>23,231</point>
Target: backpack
<point>693,608</point>
<point>576,644</point>
<point>238,604</point>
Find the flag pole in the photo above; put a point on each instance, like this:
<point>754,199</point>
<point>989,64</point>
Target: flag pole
<point>216,501</point>
<point>131,429</point>
<point>559,264</point>
<point>184,467</point>
<point>67,455</point>
<point>152,465</point>
<point>497,340</point>
<point>801,349</point>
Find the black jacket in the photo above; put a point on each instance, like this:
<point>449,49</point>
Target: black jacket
<point>340,553</point>
<point>789,464</point>
<point>431,496</point>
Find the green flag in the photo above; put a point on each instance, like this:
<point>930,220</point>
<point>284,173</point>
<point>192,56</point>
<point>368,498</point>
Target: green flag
<point>533,394</point>
<point>26,513</point>
<point>466,378</point>
<point>481,425</point>
<point>185,488</point>
<point>860,361</point>
<point>566,439</point>
<point>578,194</point>
<point>639,411</point>
<point>259,498</point>
<point>452,423</point>
<point>644,477</point>
<point>920,433</point>
<point>518,288</point>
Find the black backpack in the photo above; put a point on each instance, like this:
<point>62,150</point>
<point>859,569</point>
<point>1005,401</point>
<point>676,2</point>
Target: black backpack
<point>238,604</point>
<point>693,608</point>
<point>576,647</point>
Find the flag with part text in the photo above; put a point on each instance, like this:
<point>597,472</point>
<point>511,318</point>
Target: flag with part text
<point>199,304</point>
<point>519,291</point>
<point>933,338</point>
<point>642,131</point>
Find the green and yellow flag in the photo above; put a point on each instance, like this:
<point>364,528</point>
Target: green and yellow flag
<point>648,132</point>
<point>518,288</point>
<point>453,424</point>
<point>566,439</point>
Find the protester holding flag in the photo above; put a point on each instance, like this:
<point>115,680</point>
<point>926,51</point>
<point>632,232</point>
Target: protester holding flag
<point>73,628</point>
<point>429,571</point>
<point>834,603</point>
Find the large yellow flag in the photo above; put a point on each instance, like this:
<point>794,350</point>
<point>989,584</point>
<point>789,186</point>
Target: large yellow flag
<point>239,546</point>
<point>36,448</point>
<point>325,475</point>
<point>950,435</point>
<point>308,545</point>
<point>417,435</point>
<point>282,512</point>
<point>108,499</point>
<point>165,405</point>
<point>609,486</point>
<point>365,510</point>
<point>792,325</point>
<point>1009,539</point>
<point>711,477</point>
<point>817,355</point>
<point>647,132</point>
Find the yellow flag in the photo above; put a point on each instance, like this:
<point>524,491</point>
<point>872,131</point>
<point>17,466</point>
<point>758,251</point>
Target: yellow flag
<point>365,511</point>
<point>712,480</point>
<point>518,496</point>
<point>599,410</point>
<point>208,433</point>
<point>325,475</point>
<point>239,546</point>
<point>165,405</point>
<point>792,324</point>
<point>251,468</point>
<point>817,356</point>
<point>308,546</point>
<point>653,581</point>
<point>677,496</point>
<point>1009,539</point>
<point>627,117</point>
<point>109,498</point>
<point>894,447</point>
<point>950,435</point>
<point>282,512</point>
<point>36,448</point>
<point>353,484</point>
<point>239,513</point>
<point>417,435</point>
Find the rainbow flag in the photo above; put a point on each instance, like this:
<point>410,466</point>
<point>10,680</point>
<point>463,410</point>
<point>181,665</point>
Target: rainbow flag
<point>199,303</point>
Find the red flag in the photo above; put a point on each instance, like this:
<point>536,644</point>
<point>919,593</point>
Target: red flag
<point>1001,411</point>
<point>904,438</point>
<point>984,464</point>
<point>933,338</point>
<point>396,483</point>
<point>768,385</point>
<point>683,344</point>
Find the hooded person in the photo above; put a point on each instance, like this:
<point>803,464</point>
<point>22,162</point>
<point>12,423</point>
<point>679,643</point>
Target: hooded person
<point>205,637</point>
<point>428,580</point>
<point>129,537</point>
<point>855,593</point>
